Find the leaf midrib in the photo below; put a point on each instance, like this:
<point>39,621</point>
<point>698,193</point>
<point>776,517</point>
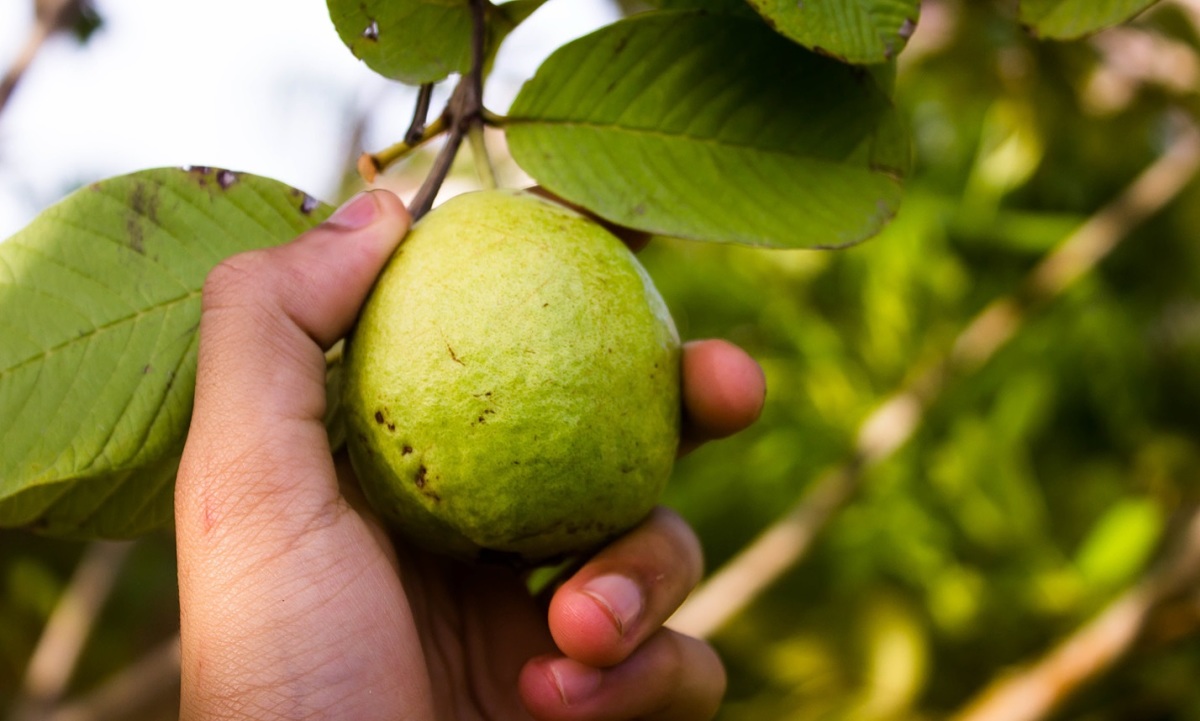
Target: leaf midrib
<point>90,335</point>
<point>701,140</point>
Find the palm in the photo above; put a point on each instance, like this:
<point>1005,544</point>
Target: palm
<point>478,626</point>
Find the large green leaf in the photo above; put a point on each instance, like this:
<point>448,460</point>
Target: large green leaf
<point>1067,19</point>
<point>712,127</point>
<point>99,303</point>
<point>855,31</point>
<point>420,41</point>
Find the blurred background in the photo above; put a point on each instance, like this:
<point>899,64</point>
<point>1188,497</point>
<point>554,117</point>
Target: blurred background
<point>973,493</point>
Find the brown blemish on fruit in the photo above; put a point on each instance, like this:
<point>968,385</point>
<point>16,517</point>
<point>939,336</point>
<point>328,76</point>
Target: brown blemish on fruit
<point>379,417</point>
<point>406,450</point>
<point>419,479</point>
<point>454,357</point>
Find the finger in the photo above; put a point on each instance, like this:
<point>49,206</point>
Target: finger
<point>671,678</point>
<point>723,391</point>
<point>260,387</point>
<point>625,593</point>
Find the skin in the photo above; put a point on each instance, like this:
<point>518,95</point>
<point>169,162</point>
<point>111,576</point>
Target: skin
<point>295,602</point>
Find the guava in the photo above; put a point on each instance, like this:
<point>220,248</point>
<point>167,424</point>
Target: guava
<point>512,387</point>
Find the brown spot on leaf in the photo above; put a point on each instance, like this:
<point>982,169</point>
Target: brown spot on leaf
<point>226,179</point>
<point>143,205</point>
<point>309,204</point>
<point>371,32</point>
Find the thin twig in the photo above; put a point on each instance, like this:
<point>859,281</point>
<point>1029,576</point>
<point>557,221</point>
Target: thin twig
<point>786,542</point>
<point>53,660</point>
<point>371,164</point>
<point>416,130</point>
<point>1037,690</point>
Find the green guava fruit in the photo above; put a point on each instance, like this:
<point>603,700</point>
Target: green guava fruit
<point>511,387</point>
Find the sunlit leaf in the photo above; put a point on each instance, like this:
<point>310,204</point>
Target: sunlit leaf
<point>1066,19</point>
<point>420,41</point>
<point>855,31</point>
<point>712,127</point>
<point>99,303</point>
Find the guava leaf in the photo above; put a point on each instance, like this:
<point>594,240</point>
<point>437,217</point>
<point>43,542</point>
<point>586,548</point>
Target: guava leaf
<point>1069,19</point>
<point>854,31</point>
<point>99,306</point>
<point>420,41</point>
<point>712,128</point>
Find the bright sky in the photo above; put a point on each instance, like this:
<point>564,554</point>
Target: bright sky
<point>263,86</point>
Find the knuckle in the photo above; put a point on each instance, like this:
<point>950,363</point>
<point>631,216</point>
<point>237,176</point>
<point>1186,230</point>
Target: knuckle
<point>236,278</point>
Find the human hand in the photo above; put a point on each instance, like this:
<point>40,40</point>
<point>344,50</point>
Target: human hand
<point>295,602</point>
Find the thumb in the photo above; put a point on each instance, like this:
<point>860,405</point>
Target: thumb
<point>260,387</point>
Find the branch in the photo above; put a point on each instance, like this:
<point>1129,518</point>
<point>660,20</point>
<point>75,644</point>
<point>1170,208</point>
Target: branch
<point>463,112</point>
<point>67,630</point>
<point>1036,691</point>
<point>786,542</point>
<point>153,679</point>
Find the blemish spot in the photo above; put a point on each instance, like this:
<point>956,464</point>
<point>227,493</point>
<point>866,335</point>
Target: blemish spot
<point>454,357</point>
<point>406,450</point>
<point>907,28</point>
<point>198,169</point>
<point>226,178</point>
<point>419,480</point>
<point>379,417</point>
<point>391,426</point>
<point>146,369</point>
<point>372,31</point>
<point>309,204</point>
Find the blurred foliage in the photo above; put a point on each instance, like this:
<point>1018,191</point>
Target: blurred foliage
<point>1038,487</point>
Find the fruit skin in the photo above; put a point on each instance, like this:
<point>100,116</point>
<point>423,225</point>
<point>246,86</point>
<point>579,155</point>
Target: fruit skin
<point>512,384</point>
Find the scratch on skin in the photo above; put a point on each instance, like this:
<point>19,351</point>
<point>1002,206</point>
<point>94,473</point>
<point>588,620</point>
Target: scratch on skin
<point>454,357</point>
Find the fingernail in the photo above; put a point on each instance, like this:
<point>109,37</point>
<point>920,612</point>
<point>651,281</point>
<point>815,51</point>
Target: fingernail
<point>620,597</point>
<point>574,681</point>
<point>356,213</point>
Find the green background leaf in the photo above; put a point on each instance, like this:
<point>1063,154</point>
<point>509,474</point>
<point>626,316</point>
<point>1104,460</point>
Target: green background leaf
<point>713,128</point>
<point>1067,19</point>
<point>420,41</point>
<point>99,303</point>
<point>855,31</point>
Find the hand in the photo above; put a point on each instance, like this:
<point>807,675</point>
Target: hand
<point>295,603</point>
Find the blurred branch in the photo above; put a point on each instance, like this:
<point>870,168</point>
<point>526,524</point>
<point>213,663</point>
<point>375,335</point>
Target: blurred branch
<point>50,17</point>
<point>67,630</point>
<point>784,544</point>
<point>138,687</point>
<point>1034,692</point>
